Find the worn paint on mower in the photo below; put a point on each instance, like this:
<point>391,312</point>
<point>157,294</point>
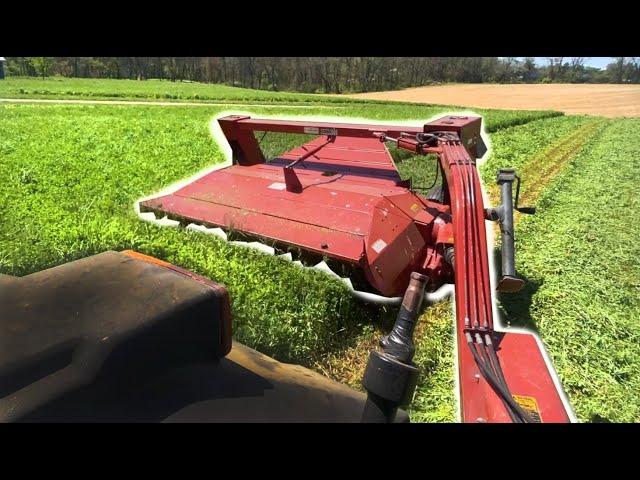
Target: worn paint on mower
<point>341,196</point>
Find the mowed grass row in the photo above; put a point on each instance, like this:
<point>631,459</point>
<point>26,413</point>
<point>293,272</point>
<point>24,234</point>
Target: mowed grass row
<point>580,254</point>
<point>105,89</point>
<point>515,146</point>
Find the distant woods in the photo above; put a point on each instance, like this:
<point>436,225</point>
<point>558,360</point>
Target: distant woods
<point>331,74</point>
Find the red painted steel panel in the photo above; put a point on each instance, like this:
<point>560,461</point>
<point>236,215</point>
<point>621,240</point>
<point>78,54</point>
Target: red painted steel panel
<point>342,183</point>
<point>363,157</point>
<point>525,372</point>
<point>394,248</point>
<point>344,246</point>
<point>468,129</point>
<point>306,127</point>
<point>347,212</point>
<point>527,375</point>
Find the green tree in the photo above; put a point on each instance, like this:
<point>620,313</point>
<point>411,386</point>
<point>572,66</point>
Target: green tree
<point>42,65</point>
<point>529,70</point>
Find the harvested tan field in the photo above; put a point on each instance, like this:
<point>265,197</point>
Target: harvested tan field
<point>602,99</point>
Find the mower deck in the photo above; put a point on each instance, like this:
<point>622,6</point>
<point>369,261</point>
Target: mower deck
<point>347,184</point>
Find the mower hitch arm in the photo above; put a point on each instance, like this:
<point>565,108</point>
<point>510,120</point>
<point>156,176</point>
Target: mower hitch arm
<point>474,316</point>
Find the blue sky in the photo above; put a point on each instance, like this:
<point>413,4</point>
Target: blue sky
<point>598,62</point>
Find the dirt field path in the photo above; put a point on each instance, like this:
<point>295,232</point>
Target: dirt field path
<point>605,100</point>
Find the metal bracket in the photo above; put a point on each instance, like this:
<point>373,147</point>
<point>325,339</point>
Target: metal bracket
<point>291,180</point>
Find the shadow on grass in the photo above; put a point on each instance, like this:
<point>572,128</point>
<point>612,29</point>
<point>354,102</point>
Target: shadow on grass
<point>516,307</point>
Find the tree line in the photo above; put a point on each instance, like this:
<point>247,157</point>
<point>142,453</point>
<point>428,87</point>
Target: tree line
<point>331,74</point>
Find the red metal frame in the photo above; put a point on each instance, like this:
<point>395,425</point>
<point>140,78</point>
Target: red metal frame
<point>341,196</point>
<point>524,367</point>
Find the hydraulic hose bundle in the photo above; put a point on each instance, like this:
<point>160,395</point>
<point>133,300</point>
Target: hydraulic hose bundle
<point>473,295</point>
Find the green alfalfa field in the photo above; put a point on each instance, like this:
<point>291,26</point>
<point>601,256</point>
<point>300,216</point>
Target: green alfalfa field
<point>72,173</point>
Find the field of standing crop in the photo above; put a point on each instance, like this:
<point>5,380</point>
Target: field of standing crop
<point>71,174</point>
<point>59,88</point>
